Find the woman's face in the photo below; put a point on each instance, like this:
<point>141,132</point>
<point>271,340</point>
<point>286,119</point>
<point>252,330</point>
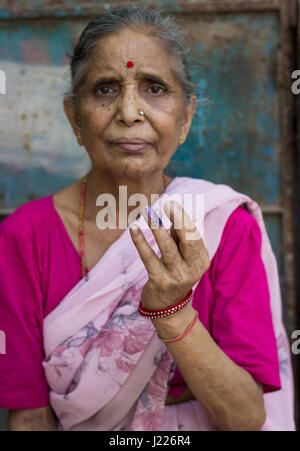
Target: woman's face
<point>111,96</point>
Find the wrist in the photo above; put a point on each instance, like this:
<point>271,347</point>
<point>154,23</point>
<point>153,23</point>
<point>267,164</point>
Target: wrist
<point>175,324</point>
<point>166,311</point>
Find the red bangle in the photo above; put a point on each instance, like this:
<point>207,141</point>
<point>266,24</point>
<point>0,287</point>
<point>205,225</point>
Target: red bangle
<point>165,311</point>
<point>189,328</point>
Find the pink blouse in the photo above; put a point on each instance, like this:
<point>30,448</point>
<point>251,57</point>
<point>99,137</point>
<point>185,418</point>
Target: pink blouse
<point>39,265</point>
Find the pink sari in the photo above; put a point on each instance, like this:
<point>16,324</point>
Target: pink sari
<point>105,366</point>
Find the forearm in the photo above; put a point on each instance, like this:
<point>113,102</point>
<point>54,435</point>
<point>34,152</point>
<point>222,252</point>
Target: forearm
<point>227,392</point>
<point>40,419</point>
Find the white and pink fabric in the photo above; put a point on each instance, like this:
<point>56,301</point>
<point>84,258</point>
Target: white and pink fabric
<point>107,369</point>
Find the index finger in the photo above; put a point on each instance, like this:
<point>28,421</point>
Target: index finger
<point>151,262</point>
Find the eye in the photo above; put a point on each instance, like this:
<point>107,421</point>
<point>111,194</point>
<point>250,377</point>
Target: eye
<point>158,89</point>
<point>98,90</point>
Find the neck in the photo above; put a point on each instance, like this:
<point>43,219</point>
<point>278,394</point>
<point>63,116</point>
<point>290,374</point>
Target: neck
<point>121,188</point>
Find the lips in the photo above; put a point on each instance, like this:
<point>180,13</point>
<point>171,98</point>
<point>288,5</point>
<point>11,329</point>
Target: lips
<point>132,145</point>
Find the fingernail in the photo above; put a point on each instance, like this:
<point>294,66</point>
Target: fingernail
<point>155,220</point>
<point>135,229</point>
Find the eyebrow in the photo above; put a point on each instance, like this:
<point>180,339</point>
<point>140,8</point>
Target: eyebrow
<point>146,75</point>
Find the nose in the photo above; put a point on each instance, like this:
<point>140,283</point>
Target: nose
<point>128,108</point>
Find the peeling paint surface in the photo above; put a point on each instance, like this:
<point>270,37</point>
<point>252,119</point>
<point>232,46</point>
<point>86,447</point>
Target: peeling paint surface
<point>235,136</point>
<point>38,151</point>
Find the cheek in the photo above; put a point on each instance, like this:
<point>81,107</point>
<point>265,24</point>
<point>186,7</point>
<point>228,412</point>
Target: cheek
<point>164,115</point>
<point>165,105</point>
<point>96,118</point>
<point>166,127</point>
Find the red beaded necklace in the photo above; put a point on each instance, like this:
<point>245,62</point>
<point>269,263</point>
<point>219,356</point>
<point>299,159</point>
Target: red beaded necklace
<point>84,271</point>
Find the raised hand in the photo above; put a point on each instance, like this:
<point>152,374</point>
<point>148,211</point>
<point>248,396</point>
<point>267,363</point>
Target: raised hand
<point>183,260</point>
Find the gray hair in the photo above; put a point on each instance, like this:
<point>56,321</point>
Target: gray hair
<point>151,21</point>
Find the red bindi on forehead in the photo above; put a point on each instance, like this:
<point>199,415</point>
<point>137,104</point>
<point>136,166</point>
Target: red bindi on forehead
<point>129,64</point>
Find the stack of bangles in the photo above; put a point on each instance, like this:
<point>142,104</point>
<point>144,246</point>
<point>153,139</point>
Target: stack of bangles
<point>152,314</point>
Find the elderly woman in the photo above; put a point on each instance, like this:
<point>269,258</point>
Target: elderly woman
<point>142,326</point>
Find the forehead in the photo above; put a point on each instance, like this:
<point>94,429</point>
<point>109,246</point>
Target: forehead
<point>114,51</point>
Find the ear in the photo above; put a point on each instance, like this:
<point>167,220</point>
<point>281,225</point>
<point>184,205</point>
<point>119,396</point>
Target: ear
<point>71,114</point>
<point>189,114</point>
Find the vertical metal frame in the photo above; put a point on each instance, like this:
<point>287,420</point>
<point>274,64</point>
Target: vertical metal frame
<point>287,59</point>
<point>285,68</point>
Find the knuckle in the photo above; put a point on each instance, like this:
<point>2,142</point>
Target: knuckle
<point>169,248</point>
<point>190,245</point>
<point>149,258</point>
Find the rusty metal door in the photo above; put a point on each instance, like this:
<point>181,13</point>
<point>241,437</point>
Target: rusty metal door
<point>244,136</point>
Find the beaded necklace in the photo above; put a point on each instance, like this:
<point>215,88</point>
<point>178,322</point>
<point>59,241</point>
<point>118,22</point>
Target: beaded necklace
<point>81,218</point>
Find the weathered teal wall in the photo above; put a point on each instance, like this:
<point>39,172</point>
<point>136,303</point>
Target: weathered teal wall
<point>237,144</point>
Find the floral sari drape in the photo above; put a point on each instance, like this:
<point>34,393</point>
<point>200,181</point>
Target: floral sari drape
<point>106,367</point>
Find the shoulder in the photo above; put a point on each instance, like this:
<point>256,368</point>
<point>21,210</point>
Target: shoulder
<point>239,250</point>
<point>241,219</point>
<point>34,221</point>
<point>218,195</point>
<point>27,218</point>
<point>241,229</point>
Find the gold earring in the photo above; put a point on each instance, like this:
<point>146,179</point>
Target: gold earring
<point>181,140</point>
<point>79,138</point>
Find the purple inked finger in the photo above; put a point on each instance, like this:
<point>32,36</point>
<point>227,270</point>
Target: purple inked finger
<point>155,220</point>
